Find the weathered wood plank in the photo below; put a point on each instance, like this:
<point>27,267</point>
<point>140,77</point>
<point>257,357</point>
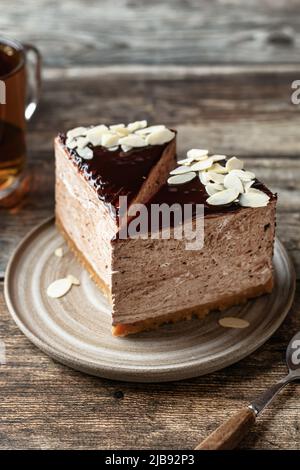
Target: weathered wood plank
<point>46,405</point>
<point>234,110</point>
<point>173,31</point>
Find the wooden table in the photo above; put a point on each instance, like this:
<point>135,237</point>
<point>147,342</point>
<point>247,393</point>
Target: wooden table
<point>243,110</point>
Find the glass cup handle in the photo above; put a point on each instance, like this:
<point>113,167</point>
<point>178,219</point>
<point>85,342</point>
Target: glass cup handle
<point>33,65</point>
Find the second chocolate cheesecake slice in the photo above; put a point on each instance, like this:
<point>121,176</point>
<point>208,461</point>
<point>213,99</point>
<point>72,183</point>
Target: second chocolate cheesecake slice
<point>97,165</point>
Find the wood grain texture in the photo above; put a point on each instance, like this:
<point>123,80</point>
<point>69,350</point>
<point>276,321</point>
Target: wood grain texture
<point>169,32</point>
<point>46,405</point>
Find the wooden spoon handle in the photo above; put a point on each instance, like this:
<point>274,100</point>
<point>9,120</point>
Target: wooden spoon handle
<point>228,435</point>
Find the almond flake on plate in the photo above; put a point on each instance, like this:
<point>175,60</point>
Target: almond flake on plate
<point>181,179</point>
<point>202,165</point>
<point>59,288</point>
<point>233,322</point>
<point>223,197</point>
<point>243,175</point>
<point>85,153</point>
<point>73,280</point>
<point>232,181</point>
<point>180,170</point>
<point>59,252</point>
<point>215,177</point>
<point>197,154</point>
<point>132,140</point>
<point>234,164</point>
<point>76,132</point>
<point>160,137</point>
<point>254,198</point>
<point>213,188</point>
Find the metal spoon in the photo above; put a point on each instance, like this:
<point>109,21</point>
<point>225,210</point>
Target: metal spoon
<point>229,434</point>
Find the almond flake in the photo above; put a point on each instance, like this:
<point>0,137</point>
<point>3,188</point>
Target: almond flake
<point>134,126</point>
<point>213,188</point>
<point>180,170</point>
<point>223,197</point>
<point>73,280</point>
<point>59,252</point>
<point>132,140</point>
<point>185,161</point>
<point>181,179</point>
<point>76,132</point>
<point>254,198</point>
<point>159,137</point>
<point>215,177</point>
<point>217,168</point>
<point>59,288</point>
<point>85,153</point>
<point>110,139</point>
<point>233,322</point>
<point>243,175</point>
<point>71,143</point>
<point>217,158</point>
<point>115,127</point>
<point>203,177</point>
<point>150,129</point>
<point>248,184</point>
<point>82,142</point>
<point>232,181</point>
<point>197,154</point>
<point>202,165</point>
<point>94,135</point>
<point>122,132</point>
<point>234,164</point>
<point>113,149</point>
<point>125,148</point>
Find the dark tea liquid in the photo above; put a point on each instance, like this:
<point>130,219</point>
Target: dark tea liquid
<point>12,121</point>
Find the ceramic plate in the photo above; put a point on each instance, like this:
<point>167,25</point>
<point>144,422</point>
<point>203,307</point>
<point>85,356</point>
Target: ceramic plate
<point>76,329</point>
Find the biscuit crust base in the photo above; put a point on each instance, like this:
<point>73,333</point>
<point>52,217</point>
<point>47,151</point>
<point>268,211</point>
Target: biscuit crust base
<point>120,329</point>
<point>200,312</point>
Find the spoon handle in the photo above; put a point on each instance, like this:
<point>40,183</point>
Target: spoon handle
<point>229,434</point>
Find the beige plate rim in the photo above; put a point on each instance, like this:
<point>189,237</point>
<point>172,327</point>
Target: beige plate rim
<point>130,373</point>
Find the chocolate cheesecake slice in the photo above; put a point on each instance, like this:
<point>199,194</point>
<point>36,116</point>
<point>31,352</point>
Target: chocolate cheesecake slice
<point>149,279</point>
<point>95,166</point>
<point>234,264</point>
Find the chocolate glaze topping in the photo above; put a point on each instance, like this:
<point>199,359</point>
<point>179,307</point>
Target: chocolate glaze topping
<point>194,193</point>
<point>116,173</point>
